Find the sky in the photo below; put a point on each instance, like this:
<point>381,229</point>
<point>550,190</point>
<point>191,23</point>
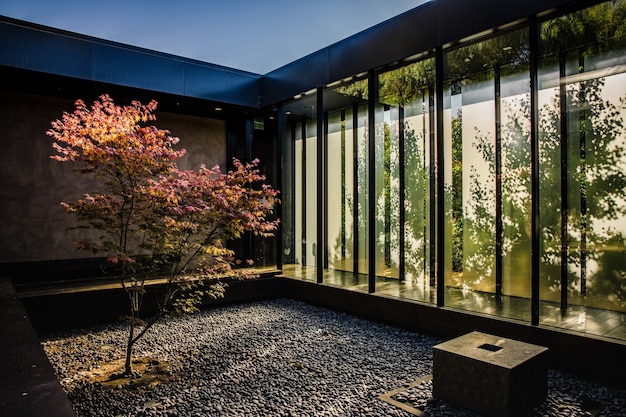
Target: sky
<point>252,35</point>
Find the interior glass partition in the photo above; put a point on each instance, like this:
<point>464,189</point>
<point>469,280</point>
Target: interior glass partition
<point>361,198</point>
<point>346,183</point>
<point>307,176</point>
<point>582,88</point>
<point>387,192</point>
<point>264,249</point>
<point>405,129</point>
<point>300,234</point>
<point>487,176</point>
<point>340,190</point>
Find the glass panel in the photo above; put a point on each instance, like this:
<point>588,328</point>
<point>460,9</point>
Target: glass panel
<point>417,190</point>
<point>263,249</point>
<point>300,180</point>
<point>514,111</point>
<point>487,176</point>
<point>362,173</point>
<point>288,196</point>
<point>582,83</point>
<point>309,243</point>
<point>300,171</point>
<point>387,192</point>
<point>406,97</point>
<point>346,179</point>
<point>340,190</point>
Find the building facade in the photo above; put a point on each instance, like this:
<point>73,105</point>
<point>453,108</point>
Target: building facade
<point>464,155</point>
<point>486,174</point>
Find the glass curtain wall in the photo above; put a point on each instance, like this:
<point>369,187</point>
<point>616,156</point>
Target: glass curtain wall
<point>404,137</point>
<point>487,175</point>
<point>582,88</point>
<point>346,177</point>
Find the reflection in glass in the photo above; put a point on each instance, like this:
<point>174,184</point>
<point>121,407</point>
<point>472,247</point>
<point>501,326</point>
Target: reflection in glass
<point>387,192</point>
<point>362,170</point>
<point>299,190</point>
<point>486,174</point>
<point>347,179</point>
<point>404,139</point>
<point>300,232</point>
<point>583,165</point>
<point>487,178</point>
<point>309,201</point>
<point>340,190</point>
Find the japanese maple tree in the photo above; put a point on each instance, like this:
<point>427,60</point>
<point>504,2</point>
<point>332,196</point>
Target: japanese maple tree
<point>154,220</point>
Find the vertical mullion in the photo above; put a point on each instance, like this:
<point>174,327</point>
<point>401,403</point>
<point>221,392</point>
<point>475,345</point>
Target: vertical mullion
<point>342,127</point>
<point>583,179</point>
<point>248,139</point>
<point>432,175</point>
<point>534,166</point>
<point>498,171</point>
<point>371,181</point>
<point>248,240</point>
<point>293,184</point>
<point>278,169</point>
<point>303,134</point>
<point>325,188</point>
<point>564,179</point>
<point>321,189</point>
<point>355,190</point>
<point>401,194</point>
<point>441,214</point>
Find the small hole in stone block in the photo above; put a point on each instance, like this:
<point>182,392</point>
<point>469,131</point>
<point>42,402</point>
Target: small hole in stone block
<point>489,347</point>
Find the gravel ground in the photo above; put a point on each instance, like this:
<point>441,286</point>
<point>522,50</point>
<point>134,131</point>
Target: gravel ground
<point>282,358</point>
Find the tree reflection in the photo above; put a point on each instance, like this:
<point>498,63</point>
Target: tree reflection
<point>601,182</point>
<point>403,200</point>
<point>603,185</point>
<point>582,161</point>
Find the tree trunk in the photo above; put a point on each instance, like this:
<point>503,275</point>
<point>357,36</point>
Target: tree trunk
<point>129,347</point>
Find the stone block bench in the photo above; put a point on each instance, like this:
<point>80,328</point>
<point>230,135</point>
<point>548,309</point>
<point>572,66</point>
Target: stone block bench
<point>489,374</point>
<point>28,385</point>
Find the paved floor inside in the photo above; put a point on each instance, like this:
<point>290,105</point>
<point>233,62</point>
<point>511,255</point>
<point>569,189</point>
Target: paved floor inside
<point>577,318</point>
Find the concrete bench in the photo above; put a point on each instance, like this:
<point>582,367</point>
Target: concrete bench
<point>489,374</point>
<point>28,385</point>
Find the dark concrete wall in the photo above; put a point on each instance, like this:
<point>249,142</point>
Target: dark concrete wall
<point>32,222</point>
<point>204,139</point>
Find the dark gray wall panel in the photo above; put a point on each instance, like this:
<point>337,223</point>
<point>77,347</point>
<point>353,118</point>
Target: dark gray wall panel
<point>295,78</point>
<point>39,51</point>
<point>407,34</point>
<point>436,23</point>
<point>27,46</point>
<point>221,85</point>
<point>33,224</point>
<point>135,69</point>
<point>459,19</point>
<point>422,29</point>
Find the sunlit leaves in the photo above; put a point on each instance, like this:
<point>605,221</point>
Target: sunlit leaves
<point>197,211</point>
<point>152,218</point>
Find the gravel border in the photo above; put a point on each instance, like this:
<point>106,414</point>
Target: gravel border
<point>283,358</point>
